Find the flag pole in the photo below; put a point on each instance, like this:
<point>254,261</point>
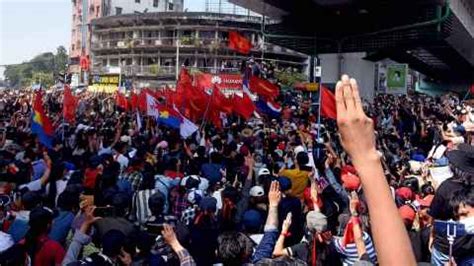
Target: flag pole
<point>468,92</point>
<point>203,124</point>
<point>64,140</point>
<point>177,58</point>
<point>319,122</point>
<point>262,30</point>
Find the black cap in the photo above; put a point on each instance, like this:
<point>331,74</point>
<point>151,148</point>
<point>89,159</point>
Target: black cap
<point>40,216</point>
<point>112,242</point>
<point>156,203</point>
<point>30,200</point>
<point>302,158</point>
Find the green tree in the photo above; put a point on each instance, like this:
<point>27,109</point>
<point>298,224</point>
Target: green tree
<point>45,79</point>
<point>61,59</point>
<point>38,68</point>
<point>289,78</point>
<point>13,75</point>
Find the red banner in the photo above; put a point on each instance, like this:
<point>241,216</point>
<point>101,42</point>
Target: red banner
<point>228,84</point>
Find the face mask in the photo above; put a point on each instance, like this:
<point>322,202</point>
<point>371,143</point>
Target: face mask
<point>468,225</point>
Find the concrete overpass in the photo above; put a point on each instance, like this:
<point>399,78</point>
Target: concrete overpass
<point>435,37</point>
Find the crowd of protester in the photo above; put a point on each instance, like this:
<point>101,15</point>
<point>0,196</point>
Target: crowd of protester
<point>363,190</point>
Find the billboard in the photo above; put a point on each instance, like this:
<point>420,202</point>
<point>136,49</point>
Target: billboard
<point>391,78</point>
<point>397,76</point>
<point>228,84</point>
<point>106,79</point>
<point>104,83</point>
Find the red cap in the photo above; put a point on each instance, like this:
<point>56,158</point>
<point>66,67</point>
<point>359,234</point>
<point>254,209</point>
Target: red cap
<point>350,181</point>
<point>348,169</point>
<point>405,193</point>
<point>407,213</point>
<point>244,150</point>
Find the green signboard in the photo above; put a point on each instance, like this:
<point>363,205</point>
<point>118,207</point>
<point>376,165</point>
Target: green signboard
<point>397,76</point>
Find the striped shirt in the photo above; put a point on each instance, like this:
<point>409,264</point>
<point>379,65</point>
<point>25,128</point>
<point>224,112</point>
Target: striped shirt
<point>185,258</point>
<point>349,252</point>
<point>140,207</point>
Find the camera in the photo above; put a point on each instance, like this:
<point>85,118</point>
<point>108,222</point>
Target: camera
<point>108,211</point>
<point>154,228</point>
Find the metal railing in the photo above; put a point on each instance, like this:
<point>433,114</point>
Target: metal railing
<point>184,42</point>
<point>159,71</point>
<point>144,42</point>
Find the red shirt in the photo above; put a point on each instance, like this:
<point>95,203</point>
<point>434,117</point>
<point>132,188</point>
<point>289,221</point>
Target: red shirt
<point>90,177</point>
<point>173,174</point>
<point>50,252</point>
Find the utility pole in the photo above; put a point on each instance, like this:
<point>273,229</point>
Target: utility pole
<point>263,31</point>
<point>177,56</point>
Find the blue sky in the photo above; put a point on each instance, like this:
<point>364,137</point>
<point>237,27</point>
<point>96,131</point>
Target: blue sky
<point>30,27</point>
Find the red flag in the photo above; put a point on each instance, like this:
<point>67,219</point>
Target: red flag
<point>215,118</point>
<point>69,105</point>
<point>121,101</point>
<point>204,81</point>
<point>239,43</point>
<point>472,89</point>
<point>134,100</point>
<point>142,100</point>
<point>328,103</point>
<point>184,79</point>
<point>196,103</point>
<point>40,116</point>
<point>263,88</point>
<point>348,237</point>
<point>221,102</point>
<point>243,106</point>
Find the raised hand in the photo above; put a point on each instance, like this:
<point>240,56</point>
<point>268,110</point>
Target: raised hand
<point>353,203</point>
<point>274,194</point>
<point>314,192</point>
<point>169,235</point>
<point>356,129</point>
<point>47,160</point>
<point>170,238</point>
<point>249,161</point>
<point>89,218</point>
<point>286,224</point>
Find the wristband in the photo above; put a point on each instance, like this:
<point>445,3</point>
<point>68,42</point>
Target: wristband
<point>287,234</point>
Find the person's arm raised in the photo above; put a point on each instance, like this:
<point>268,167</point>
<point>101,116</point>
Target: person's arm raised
<point>358,139</point>
<point>45,177</point>
<point>118,132</point>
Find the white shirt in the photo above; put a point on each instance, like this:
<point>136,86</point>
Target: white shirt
<point>122,160</point>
